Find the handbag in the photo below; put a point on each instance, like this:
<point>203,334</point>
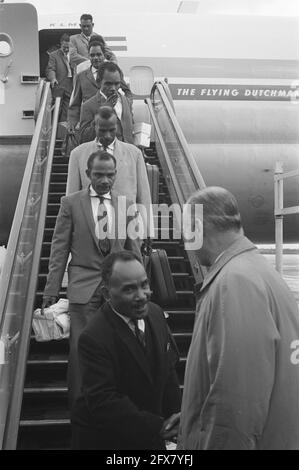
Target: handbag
<point>53,324</point>
<point>159,274</point>
<point>71,141</point>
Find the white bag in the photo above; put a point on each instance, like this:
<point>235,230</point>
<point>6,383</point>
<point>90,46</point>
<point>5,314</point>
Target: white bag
<point>142,134</point>
<point>54,324</point>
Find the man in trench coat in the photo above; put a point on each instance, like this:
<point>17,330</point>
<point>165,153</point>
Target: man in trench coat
<point>242,377</point>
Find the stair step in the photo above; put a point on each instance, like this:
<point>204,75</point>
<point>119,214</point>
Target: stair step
<point>35,390</point>
<point>60,168</point>
<point>44,422</point>
<point>57,178</point>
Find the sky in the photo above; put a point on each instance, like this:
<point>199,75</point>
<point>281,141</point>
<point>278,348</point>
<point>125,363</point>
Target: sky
<point>240,7</point>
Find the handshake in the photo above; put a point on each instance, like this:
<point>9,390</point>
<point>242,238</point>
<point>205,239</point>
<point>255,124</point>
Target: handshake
<point>170,427</point>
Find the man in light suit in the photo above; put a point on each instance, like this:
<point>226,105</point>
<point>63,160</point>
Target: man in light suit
<point>77,233</point>
<point>109,78</point>
<point>86,85</point>
<point>80,42</point>
<point>130,393</point>
<point>131,179</point>
<point>59,73</point>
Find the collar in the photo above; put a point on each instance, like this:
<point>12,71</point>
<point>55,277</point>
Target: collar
<point>86,37</point>
<point>239,246</point>
<point>110,147</point>
<point>219,256</point>
<point>93,70</point>
<point>103,94</point>
<point>93,193</point>
<point>124,317</point>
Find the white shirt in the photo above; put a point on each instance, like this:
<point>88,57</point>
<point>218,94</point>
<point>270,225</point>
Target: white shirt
<point>118,107</point>
<point>129,322</point>
<point>110,148</point>
<point>69,70</point>
<point>86,37</point>
<point>95,201</point>
<point>94,73</point>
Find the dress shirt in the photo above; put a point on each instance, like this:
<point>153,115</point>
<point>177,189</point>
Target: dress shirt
<point>86,37</point>
<point>110,148</point>
<point>94,73</point>
<point>118,107</point>
<point>95,201</point>
<point>129,322</point>
<point>69,70</point>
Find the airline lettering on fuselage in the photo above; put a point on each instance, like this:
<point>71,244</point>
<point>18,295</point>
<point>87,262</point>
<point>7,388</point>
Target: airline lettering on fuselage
<point>234,92</point>
<point>64,25</point>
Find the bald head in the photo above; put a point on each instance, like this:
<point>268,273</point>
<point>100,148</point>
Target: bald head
<point>220,209</point>
<point>220,225</point>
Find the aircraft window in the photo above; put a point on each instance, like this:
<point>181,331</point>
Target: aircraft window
<point>141,80</point>
<point>6,47</point>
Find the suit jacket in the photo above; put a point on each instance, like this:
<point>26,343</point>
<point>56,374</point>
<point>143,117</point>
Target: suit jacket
<point>57,68</point>
<point>124,126</point>
<point>79,49</point>
<point>131,179</point>
<point>85,87</point>
<point>123,403</point>
<point>75,233</point>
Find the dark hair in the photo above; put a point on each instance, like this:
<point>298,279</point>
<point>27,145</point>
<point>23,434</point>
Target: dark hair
<point>104,112</point>
<point>110,260</point>
<point>64,37</point>
<point>101,155</point>
<point>86,17</point>
<point>220,209</point>
<point>110,67</point>
<point>95,43</point>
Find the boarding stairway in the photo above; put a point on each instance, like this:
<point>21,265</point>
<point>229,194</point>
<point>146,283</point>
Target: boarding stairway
<point>37,414</point>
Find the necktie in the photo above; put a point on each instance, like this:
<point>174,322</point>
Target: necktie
<point>104,243</point>
<point>140,335</point>
<point>69,70</point>
<point>106,149</point>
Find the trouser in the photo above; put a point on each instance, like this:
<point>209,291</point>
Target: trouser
<point>80,315</point>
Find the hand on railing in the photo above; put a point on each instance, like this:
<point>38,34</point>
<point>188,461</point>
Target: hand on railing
<point>48,300</point>
<point>54,82</point>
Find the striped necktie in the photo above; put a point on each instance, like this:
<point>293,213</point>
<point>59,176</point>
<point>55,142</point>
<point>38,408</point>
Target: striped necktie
<point>102,214</point>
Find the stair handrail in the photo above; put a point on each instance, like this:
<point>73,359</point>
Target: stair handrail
<point>171,178</point>
<point>280,211</point>
<point>165,93</point>
<point>16,343</point>
<point>38,97</point>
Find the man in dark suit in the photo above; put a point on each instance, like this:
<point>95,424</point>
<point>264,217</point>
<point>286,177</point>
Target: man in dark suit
<point>77,233</point>
<point>109,79</point>
<point>80,42</point>
<point>130,393</point>
<point>59,73</point>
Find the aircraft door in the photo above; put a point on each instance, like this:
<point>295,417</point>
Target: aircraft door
<point>19,68</point>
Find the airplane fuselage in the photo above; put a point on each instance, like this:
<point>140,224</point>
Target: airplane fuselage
<point>234,83</point>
